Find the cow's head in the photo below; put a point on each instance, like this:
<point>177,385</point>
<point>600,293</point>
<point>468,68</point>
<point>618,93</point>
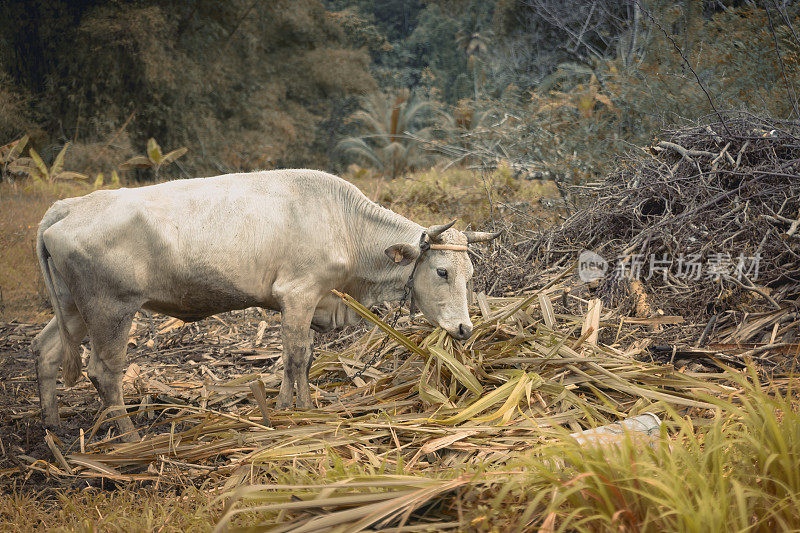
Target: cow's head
<point>443,272</point>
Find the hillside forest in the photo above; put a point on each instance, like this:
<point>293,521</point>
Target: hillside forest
<point>551,89</point>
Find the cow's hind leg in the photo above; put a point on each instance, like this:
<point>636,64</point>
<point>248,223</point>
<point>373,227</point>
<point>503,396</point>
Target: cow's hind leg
<point>108,331</point>
<point>295,327</point>
<point>49,351</point>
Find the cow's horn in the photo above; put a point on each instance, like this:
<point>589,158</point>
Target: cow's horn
<point>481,236</point>
<point>434,231</point>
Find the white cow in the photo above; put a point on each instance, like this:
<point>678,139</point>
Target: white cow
<point>192,248</point>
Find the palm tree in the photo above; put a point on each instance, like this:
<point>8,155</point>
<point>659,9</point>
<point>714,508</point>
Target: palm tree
<point>472,42</point>
<point>386,120</point>
<point>475,44</point>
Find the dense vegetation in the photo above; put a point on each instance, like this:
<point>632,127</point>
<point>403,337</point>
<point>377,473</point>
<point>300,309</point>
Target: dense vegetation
<point>557,87</point>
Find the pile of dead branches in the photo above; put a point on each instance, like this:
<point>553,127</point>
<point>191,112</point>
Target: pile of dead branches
<point>707,220</point>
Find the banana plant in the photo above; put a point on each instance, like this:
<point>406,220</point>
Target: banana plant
<point>10,153</point>
<point>99,181</point>
<point>154,158</point>
<point>38,171</point>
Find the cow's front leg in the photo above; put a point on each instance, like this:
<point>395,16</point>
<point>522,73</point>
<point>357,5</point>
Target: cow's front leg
<point>296,336</point>
<point>303,389</point>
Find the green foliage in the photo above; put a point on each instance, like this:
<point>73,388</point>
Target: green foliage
<point>475,45</point>
<point>99,181</point>
<point>153,158</point>
<point>38,171</point>
<point>10,153</point>
<point>421,50</point>
<point>732,52</point>
<point>14,119</point>
<point>394,18</point>
<point>245,84</point>
<point>436,62</point>
<point>465,119</point>
<point>385,121</point>
<point>570,121</point>
<point>250,85</point>
<point>736,473</point>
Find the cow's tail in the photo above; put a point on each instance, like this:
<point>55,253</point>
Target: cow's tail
<point>70,354</point>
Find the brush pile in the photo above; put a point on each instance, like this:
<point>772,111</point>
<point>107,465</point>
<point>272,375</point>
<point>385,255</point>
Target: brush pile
<point>706,223</point>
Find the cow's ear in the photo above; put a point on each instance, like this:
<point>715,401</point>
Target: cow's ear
<point>402,253</point>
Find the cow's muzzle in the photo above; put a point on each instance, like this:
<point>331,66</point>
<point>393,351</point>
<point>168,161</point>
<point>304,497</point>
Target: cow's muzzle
<point>463,331</point>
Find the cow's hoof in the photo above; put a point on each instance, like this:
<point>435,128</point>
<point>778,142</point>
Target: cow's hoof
<point>282,404</point>
<point>57,429</point>
<point>304,403</point>
<point>52,423</point>
<point>131,436</point>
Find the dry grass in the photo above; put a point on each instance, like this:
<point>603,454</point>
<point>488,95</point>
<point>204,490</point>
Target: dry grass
<point>434,196</point>
<point>734,471</point>
<point>21,208</point>
<point>109,509</point>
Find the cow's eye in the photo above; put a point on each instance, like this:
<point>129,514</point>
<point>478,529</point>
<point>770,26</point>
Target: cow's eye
<point>442,272</point>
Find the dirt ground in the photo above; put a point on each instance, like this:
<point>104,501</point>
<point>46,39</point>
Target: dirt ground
<point>21,431</point>
<point>167,358</point>
<point>23,311</point>
<point>22,293</point>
